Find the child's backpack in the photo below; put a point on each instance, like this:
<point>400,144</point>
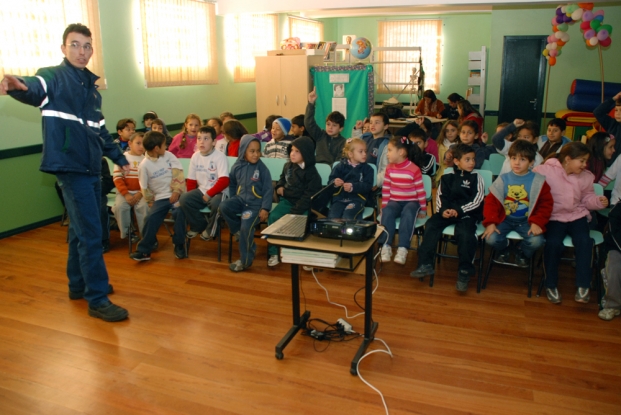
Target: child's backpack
<point>611,277</point>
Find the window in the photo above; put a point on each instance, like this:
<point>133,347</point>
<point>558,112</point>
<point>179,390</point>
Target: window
<point>249,35</point>
<point>31,35</point>
<point>424,33</point>
<point>307,30</point>
<point>179,42</point>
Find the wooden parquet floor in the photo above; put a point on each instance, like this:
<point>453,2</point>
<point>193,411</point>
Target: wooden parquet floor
<point>200,340</point>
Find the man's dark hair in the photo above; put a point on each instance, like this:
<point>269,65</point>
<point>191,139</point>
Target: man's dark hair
<point>558,122</point>
<point>523,148</point>
<point>153,139</point>
<point>123,123</point>
<point>337,118</point>
<point>76,28</point>
<point>459,150</point>
<point>206,129</point>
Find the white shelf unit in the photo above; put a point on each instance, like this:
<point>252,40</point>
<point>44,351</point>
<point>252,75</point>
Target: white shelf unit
<point>477,68</point>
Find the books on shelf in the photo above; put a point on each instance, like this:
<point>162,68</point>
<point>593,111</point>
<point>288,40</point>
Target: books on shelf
<point>312,258</point>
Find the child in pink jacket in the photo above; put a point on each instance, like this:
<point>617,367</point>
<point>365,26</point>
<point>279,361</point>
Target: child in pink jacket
<point>572,190</point>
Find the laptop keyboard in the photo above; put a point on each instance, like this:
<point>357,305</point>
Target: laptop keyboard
<point>296,226</point>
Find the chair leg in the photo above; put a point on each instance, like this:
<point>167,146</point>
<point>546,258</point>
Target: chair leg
<point>543,279</point>
<point>531,272</point>
<point>230,247</point>
<point>219,241</point>
<point>489,268</point>
<point>481,256</point>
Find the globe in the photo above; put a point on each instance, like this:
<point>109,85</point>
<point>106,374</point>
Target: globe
<point>361,48</point>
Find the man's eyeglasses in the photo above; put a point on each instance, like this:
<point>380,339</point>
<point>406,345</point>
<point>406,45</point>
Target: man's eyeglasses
<point>76,46</point>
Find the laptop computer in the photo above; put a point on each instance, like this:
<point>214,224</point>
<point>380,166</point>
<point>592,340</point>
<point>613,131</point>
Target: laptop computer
<point>297,227</point>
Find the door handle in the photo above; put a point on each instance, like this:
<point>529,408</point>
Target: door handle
<point>284,101</point>
<point>277,100</point>
<point>534,102</point>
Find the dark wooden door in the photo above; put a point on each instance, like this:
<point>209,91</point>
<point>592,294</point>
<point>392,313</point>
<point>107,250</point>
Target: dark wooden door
<point>523,78</point>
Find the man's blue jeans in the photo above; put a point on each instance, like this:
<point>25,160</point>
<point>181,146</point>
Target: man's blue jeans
<point>86,269</point>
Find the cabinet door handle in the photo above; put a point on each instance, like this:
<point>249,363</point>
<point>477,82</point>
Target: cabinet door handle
<point>534,102</point>
<point>277,100</point>
<point>285,100</point>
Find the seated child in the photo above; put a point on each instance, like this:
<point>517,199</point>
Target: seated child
<point>519,201</point>
<point>459,202</point>
<point>602,148</point>
<point>353,179</point>
<point>403,195</point>
<point>162,183</point>
<point>450,111</point>
<point>297,126</point>
<point>376,139</point>
<point>125,128</point>
<point>611,274</point>
<point>216,123</point>
<point>427,161</point>
<point>610,124</point>
<point>329,142</point>
<point>612,173</point>
<point>266,135</point>
<point>128,194</point>
<point>424,124</point>
<point>208,180</point>
<point>277,146</point>
<point>448,136</point>
<point>554,140</point>
<point>299,180</point>
<point>250,190</point>
<point>521,130</point>
<point>184,144</point>
<point>148,118</point>
<point>572,190</point>
<point>159,125</point>
<point>226,116</point>
<point>233,132</point>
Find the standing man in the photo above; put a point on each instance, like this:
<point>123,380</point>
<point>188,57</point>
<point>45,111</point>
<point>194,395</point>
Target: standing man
<point>74,141</point>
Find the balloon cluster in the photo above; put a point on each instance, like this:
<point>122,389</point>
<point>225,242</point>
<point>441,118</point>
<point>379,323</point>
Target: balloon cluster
<point>592,27</point>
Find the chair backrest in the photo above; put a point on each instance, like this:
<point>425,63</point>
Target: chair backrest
<point>275,166</point>
<point>598,189</point>
<point>486,174</point>
<point>185,163</point>
<point>496,161</point>
<point>486,165</point>
<point>231,160</point>
<point>110,165</point>
<point>324,171</point>
<point>611,185</point>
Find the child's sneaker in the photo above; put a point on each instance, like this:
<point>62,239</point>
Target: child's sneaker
<point>422,271</point>
<point>553,295</point>
<point>520,259</point>
<point>582,295</point>
<point>139,256</point>
<point>503,256</point>
<point>386,253</point>
<point>237,266</point>
<point>273,261</point>
<point>609,313</point>
<point>180,251</point>
<point>462,281</point>
<point>206,236</point>
<point>401,256</point>
<point>191,234</point>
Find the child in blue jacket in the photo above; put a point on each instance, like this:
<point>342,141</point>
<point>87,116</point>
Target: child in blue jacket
<point>250,187</point>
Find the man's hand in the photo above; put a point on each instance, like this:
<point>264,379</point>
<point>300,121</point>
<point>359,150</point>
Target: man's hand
<point>263,214</point>
<point>359,125</point>
<point>280,191</point>
<point>535,229</point>
<point>11,83</point>
<point>348,187</point>
<point>174,198</point>
<point>312,97</point>
<point>518,122</point>
<point>126,169</point>
<point>490,229</point>
<point>616,97</point>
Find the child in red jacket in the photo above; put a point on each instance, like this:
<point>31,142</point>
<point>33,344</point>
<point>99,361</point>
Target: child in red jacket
<point>519,201</point>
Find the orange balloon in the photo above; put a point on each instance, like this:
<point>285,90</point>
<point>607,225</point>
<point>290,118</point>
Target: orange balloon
<point>586,6</point>
<point>555,28</point>
<point>560,43</point>
<point>552,61</point>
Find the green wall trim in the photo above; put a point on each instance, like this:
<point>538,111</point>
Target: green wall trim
<point>30,227</point>
<point>21,151</point>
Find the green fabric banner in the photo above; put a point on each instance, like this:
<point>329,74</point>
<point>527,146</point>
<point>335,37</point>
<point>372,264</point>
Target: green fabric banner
<point>348,86</point>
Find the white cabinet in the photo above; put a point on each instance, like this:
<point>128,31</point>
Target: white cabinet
<point>477,66</point>
<point>283,83</point>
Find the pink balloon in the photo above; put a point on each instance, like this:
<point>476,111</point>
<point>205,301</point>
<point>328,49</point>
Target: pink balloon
<point>606,42</point>
<point>551,39</point>
<point>589,34</point>
<point>587,16</point>
<point>598,13</point>
<point>554,22</point>
<point>602,34</point>
<point>553,53</point>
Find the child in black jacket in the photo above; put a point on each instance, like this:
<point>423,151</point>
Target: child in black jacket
<point>299,180</point>
<point>352,179</point>
<point>459,201</point>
